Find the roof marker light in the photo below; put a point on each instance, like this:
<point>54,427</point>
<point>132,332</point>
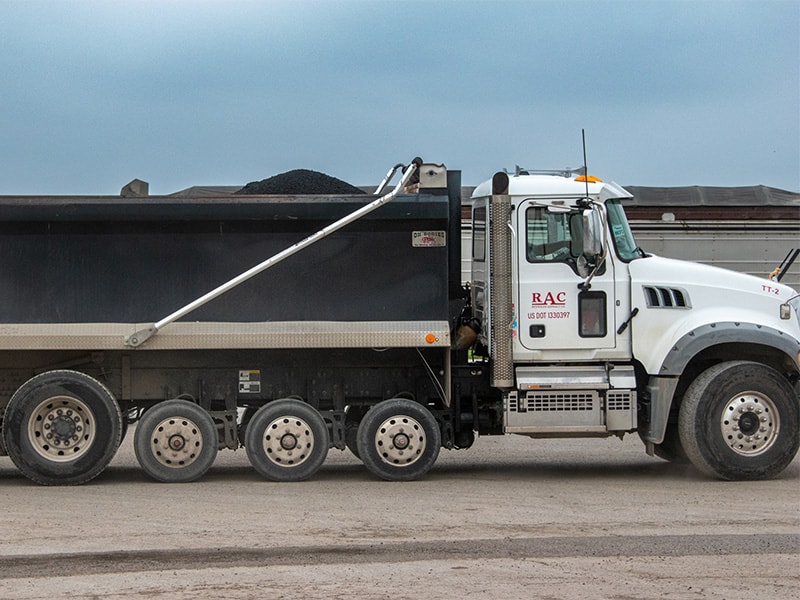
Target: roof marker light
<point>589,179</point>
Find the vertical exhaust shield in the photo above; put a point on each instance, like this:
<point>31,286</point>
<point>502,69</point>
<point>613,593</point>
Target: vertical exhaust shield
<point>502,314</point>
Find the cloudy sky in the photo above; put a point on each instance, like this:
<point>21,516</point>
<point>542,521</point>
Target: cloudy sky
<point>670,93</point>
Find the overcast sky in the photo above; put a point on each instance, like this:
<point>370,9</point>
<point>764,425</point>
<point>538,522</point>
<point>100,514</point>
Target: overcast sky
<point>670,93</point>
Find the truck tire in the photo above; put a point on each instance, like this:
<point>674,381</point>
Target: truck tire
<point>176,442</point>
<point>62,428</point>
<point>739,421</point>
<point>399,440</point>
<point>287,440</point>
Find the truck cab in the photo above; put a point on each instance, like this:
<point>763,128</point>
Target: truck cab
<point>559,314</point>
<point>589,335</point>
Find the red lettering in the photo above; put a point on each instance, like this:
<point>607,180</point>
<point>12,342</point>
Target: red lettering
<point>549,299</point>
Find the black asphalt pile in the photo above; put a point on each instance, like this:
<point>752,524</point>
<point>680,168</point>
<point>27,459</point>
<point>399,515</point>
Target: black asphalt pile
<point>300,181</point>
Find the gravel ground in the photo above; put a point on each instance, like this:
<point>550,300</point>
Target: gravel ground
<point>509,518</point>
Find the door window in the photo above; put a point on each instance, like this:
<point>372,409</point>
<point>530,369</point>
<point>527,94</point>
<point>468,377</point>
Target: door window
<point>552,237</point>
<point>555,237</point>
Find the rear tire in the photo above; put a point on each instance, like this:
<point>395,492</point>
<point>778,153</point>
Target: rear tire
<point>176,442</point>
<point>62,428</point>
<point>287,440</point>
<point>739,420</point>
<point>399,440</point>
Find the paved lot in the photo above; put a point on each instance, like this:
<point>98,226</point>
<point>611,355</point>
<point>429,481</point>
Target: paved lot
<point>509,518</point>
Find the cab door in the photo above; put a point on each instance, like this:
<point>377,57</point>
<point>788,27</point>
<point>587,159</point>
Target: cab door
<point>554,312</point>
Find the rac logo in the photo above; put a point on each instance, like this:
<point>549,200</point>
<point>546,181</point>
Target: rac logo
<point>548,299</point>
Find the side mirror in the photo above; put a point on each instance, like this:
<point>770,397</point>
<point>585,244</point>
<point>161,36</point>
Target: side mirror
<point>592,234</point>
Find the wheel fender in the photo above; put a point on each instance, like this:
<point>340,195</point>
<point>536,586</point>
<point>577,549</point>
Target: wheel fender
<point>713,334</point>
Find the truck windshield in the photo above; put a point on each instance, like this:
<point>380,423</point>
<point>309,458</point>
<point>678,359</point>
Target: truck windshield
<point>621,231</point>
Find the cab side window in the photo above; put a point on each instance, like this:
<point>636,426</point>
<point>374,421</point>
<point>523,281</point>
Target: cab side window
<point>479,233</point>
<point>553,236</point>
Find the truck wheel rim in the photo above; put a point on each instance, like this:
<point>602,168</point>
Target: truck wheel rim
<point>176,442</point>
<point>400,440</point>
<point>62,428</point>
<point>288,441</point>
<point>750,423</point>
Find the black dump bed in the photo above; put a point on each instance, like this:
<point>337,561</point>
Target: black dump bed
<point>136,260</point>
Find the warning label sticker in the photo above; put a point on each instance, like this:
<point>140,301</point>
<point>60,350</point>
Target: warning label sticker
<point>249,381</point>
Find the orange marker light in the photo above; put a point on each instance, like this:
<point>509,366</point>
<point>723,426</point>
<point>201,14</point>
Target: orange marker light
<point>589,178</point>
<point>430,338</point>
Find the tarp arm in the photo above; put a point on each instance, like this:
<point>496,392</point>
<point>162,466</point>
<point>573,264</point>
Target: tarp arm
<point>140,337</point>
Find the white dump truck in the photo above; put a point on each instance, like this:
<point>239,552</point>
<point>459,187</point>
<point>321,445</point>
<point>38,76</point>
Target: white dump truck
<point>290,325</point>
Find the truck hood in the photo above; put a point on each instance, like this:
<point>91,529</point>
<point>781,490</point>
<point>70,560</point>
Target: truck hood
<point>679,301</point>
<point>728,287</point>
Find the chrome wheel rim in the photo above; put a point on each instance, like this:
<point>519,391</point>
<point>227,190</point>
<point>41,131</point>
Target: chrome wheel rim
<point>176,442</point>
<point>62,428</point>
<point>288,441</point>
<point>750,423</point>
<point>400,440</point>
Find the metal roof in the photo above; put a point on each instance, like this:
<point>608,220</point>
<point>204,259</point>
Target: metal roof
<point>206,191</point>
<point>755,195</point>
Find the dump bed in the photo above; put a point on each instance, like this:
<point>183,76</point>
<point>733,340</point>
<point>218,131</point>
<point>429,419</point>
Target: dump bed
<point>86,272</point>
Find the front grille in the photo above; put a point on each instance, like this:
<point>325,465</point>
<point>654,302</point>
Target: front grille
<point>562,402</point>
<point>618,400</point>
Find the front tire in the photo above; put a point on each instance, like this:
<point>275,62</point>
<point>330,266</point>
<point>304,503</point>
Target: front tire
<point>399,440</point>
<point>176,442</point>
<point>287,440</point>
<point>62,428</point>
<point>739,421</point>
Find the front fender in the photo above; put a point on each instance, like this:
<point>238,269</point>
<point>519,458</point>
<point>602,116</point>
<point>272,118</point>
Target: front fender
<point>715,334</point>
